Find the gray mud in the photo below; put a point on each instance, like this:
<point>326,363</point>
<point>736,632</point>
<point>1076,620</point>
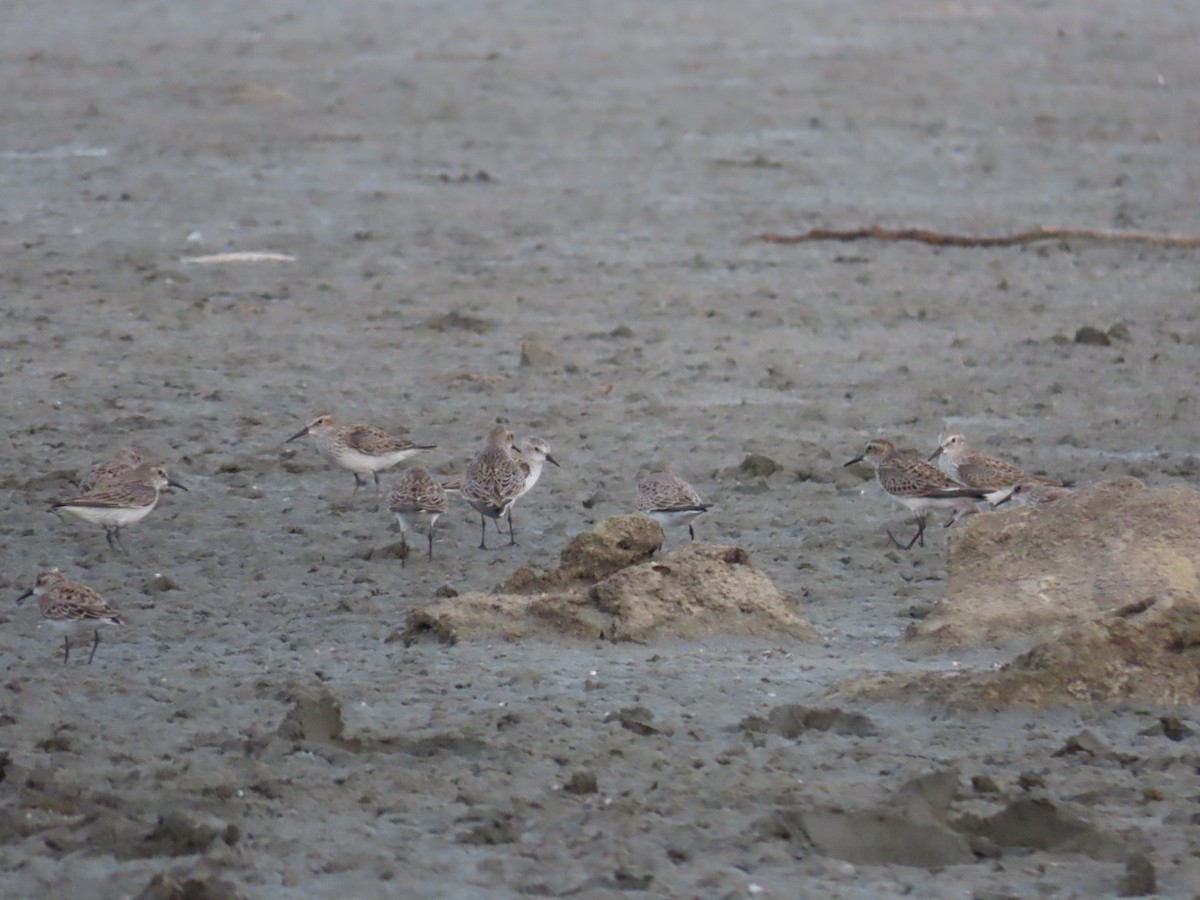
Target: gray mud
<point>454,179</point>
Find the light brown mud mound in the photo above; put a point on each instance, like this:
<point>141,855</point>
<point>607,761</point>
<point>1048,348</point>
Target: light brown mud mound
<point>612,545</point>
<point>1026,573</point>
<point>1147,652</point>
<point>697,590</point>
<point>1151,655</point>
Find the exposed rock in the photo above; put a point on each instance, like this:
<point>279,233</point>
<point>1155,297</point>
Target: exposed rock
<point>792,720</point>
<point>1035,823</point>
<point>637,719</point>
<point>457,321</point>
<point>186,832</point>
<point>910,829</point>
<point>1089,748</point>
<point>1089,334</point>
<point>537,355</point>
<point>313,719</point>
<point>499,828</point>
<point>185,885</point>
<point>1139,879</point>
<point>159,583</point>
<point>756,465</point>
<point>1171,727</point>
<point>582,783</point>
<point>984,784</point>
<point>913,827</point>
<point>1023,573</point>
<point>696,590</point>
<point>884,837</point>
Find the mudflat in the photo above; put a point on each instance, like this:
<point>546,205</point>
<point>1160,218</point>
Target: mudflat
<point>548,214</point>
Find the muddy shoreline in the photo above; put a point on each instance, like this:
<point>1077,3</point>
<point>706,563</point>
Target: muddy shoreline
<point>453,183</point>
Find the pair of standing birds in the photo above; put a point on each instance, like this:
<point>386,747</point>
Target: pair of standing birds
<point>115,493</point>
<point>499,475</point>
<point>962,474</point>
<point>118,492</point>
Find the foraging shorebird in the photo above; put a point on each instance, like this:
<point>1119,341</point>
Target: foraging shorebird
<point>915,484</point>
<point>71,605</point>
<point>115,504</point>
<point>493,480</point>
<point>974,468</point>
<point>363,449</point>
<point>669,500</point>
<point>417,494</point>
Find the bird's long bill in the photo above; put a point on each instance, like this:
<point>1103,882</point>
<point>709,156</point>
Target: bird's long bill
<point>171,482</point>
<point>299,434</point>
<point>935,454</point>
<point>1002,500</point>
<point>856,459</point>
<point>551,459</point>
<point>24,596</point>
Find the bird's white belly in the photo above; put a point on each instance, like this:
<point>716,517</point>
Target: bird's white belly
<point>110,517</point>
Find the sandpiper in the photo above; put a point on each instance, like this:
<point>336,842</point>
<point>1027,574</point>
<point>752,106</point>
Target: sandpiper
<point>362,449</point>
<point>1029,492</point>
<point>974,468</point>
<point>914,483</point>
<point>493,480</point>
<point>121,464</point>
<point>116,504</point>
<point>416,494</point>
<point>532,454</point>
<point>71,605</point>
<point>669,500</point>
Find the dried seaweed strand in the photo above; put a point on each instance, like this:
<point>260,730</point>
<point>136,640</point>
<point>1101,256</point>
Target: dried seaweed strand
<point>942,239</point>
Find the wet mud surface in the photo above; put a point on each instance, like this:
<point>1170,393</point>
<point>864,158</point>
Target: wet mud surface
<point>456,182</point>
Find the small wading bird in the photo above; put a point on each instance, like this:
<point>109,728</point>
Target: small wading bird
<point>363,449</point>
<point>121,464</point>
<point>915,484</point>
<point>1029,493</point>
<point>71,605</point>
<point>974,468</point>
<point>669,500</point>
<point>416,494</point>
<point>532,455</point>
<point>493,480</point>
<point>124,501</point>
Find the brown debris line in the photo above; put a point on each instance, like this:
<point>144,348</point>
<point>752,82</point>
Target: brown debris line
<point>609,588</point>
<point>945,239</point>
